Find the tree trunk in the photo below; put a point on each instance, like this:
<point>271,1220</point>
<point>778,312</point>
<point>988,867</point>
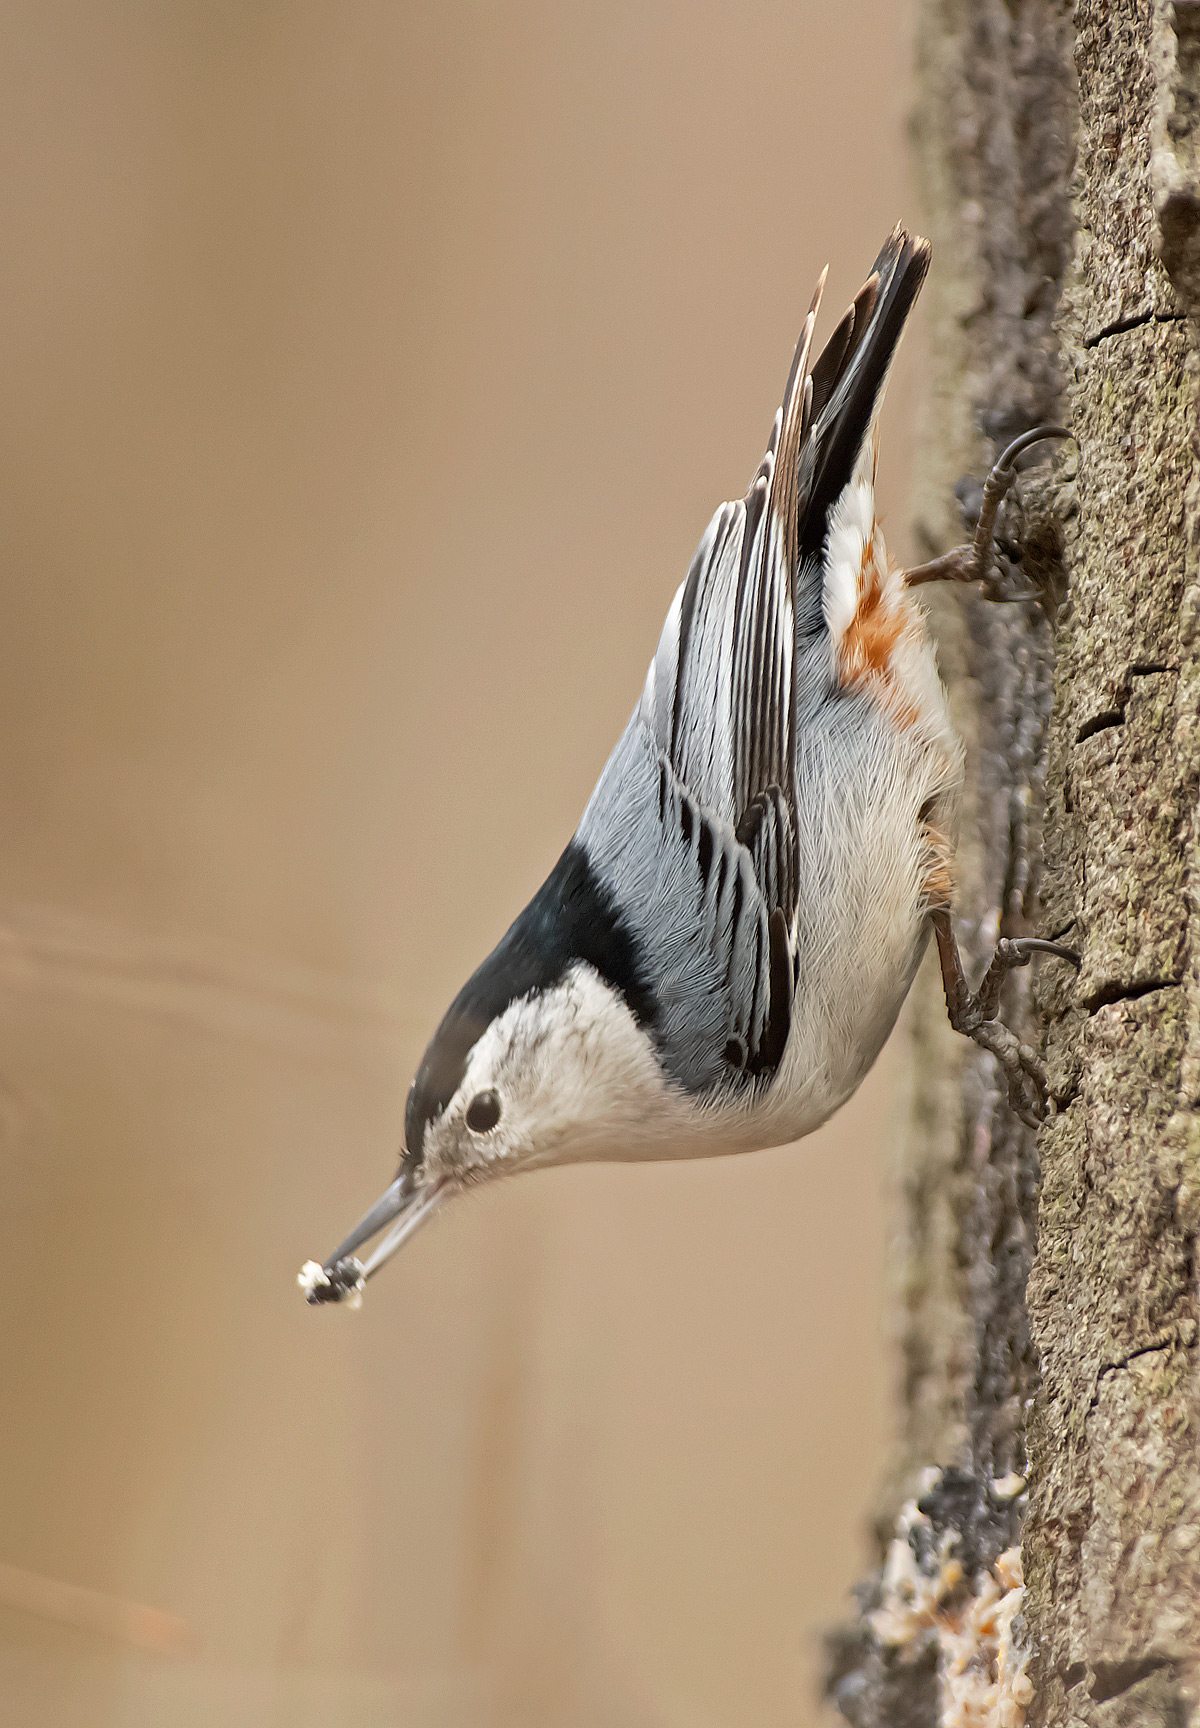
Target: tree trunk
<point>1040,1545</point>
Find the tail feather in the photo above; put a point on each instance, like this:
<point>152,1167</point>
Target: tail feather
<point>839,350</point>
<point>849,375</point>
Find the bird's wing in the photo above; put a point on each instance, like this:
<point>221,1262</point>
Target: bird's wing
<point>720,703</point>
<point>720,692</point>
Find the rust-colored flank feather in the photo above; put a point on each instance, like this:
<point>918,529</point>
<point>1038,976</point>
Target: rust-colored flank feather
<point>883,619</point>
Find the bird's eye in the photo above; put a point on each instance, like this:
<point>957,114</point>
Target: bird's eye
<point>483,1112</point>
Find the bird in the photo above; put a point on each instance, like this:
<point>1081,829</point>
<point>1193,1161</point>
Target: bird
<point>717,957</point>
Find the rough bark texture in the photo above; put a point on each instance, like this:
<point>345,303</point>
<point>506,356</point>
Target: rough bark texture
<point>1049,1284</point>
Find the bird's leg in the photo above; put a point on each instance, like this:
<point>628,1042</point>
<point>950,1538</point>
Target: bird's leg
<point>973,1013</point>
<point>973,563</point>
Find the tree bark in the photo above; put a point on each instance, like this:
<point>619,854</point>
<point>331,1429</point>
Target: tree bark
<point>1040,1541</point>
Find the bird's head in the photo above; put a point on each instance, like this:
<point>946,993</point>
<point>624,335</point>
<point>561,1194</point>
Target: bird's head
<point>544,1056</point>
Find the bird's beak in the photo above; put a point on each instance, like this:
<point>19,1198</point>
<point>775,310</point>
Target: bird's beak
<point>404,1206</point>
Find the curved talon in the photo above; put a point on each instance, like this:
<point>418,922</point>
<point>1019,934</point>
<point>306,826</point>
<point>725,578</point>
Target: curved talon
<point>995,487</point>
<point>973,562</point>
<point>1020,950</point>
<point>1042,945</point>
<point>1035,435</point>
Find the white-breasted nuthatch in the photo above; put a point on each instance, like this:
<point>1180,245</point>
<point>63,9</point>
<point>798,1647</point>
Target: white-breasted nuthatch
<point>716,959</point>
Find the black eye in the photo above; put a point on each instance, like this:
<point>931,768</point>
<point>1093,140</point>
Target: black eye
<point>483,1112</point>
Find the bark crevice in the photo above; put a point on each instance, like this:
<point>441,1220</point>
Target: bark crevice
<point>1134,322</point>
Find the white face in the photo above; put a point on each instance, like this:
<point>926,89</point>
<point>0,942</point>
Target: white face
<point>560,1076</point>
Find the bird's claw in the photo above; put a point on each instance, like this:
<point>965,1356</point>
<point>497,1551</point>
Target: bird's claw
<point>974,1012</point>
<point>974,562</point>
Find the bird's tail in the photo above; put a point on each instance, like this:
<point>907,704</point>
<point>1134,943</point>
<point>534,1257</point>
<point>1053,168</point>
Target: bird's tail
<point>847,382</point>
<point>849,375</point>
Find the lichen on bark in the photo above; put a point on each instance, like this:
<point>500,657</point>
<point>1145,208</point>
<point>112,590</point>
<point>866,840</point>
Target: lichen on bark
<point>1048,1284</point>
<point>1112,1540</point>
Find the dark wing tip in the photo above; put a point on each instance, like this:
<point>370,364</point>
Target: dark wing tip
<point>901,247</point>
<point>901,252</point>
<point>848,374</point>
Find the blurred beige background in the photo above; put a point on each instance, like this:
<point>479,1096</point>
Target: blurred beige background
<point>369,374</point>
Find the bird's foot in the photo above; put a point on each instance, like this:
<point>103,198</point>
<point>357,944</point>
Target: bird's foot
<point>974,562</point>
<point>973,1012</point>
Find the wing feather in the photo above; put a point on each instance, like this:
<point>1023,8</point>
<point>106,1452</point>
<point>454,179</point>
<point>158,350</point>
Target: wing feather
<point>721,695</point>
